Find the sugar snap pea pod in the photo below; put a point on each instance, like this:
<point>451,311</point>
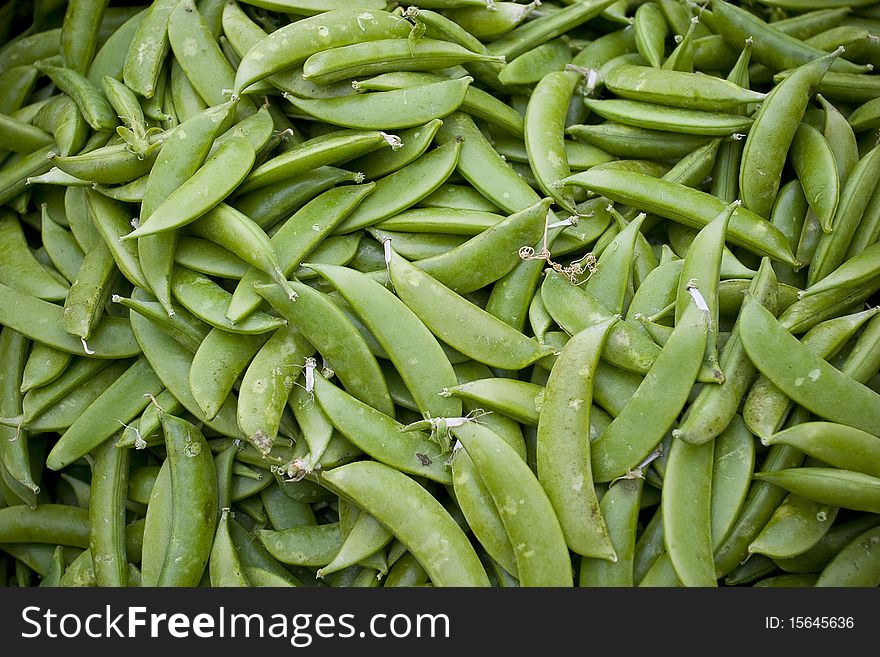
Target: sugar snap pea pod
<point>855,197</point>
<point>532,65</point>
<point>44,365</point>
<point>608,283</point>
<point>535,533</point>
<point>519,400</point>
<point>91,102</point>
<point>839,135</point>
<point>333,336</point>
<point>62,118</point>
<point>833,486</point>
<point>218,362</point>
<point>772,134</point>
<point>859,269</point>
<point>805,377</point>
<point>14,175</point>
<point>866,116</point>
<point>479,335</point>
<point>415,141</point>
<point>112,219</point>
<point>670,119</point>
<point>395,54</point>
<point>145,429</point>
<point>381,436</point>
<point>829,546</point>
<point>544,125</point>
<point>774,48</point>
<point>688,206</point>
<point>230,163</point>
<point>650,31</point>
<point>679,88</point>
<point>209,258</point>
<point>465,268</point>
<point>390,320</point>
<point>563,447</point>
<point>185,328</point>
<point>19,83</point>
<point>178,160</point>
<point>686,504</point>
<point>620,507</point>
<point>810,23</point>
<point>545,28</point>
<point>365,539</point>
<point>19,268</point>
<point>734,464</point>
<point>388,110</point>
<point>120,403</point>
<point>112,164</point>
<point>573,309</point>
<point>127,108</point>
<point>766,404</point>
<point>702,267</point>
<point>616,450</point>
<point>489,25</point>
<point>198,53</point>
<point>84,305</point>
<point>315,427</point>
<point>224,566</point>
<point>835,444</point>
<point>403,188</point>
<point>715,406</point>
<point>267,384</point>
<point>857,564</point>
<point>239,234</point>
<point>682,56</point>
<point>109,491</point>
<point>310,35</point>
<point>444,221</point>
<point>628,141</point>
<point>149,46</point>
<point>332,148</point>
<point>14,451</point>
<point>21,137</point>
<point>29,47</point>
<point>194,503</point>
<point>57,524</point>
<point>172,363</point>
<point>795,526</point>
<point>79,371</point>
<point>396,501</point>
<point>855,88</point>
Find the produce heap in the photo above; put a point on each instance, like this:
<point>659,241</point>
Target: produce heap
<point>324,292</point>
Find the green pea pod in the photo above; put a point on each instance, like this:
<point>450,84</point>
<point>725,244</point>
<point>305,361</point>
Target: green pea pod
<point>574,309</point>
<point>519,400</point>
<point>14,450</point>
<point>19,268</point>
<point>194,503</point>
<point>805,377</point>
<point>416,518</point>
<point>857,564</point>
<point>734,463</point>
<point>112,164</point>
<point>650,28</point>
<point>224,565</point>
<point>403,336</point>
<point>844,488</point>
<point>88,97</point>
<point>338,27</point>
<point>149,47</point>
<point>113,220</point>
<point>56,524</point>
<point>670,119</point>
<point>109,491</point>
<point>381,436</point>
<point>463,325</point>
<point>217,364</point>
<point>44,365</point>
<point>773,131</point>
<point>366,538</point>
<point>529,67</point>
<point>835,444</point>
<point>687,512</point>
<point>657,402</point>
<point>267,384</point>
<point>328,329</point>
<point>563,445</point>
<point>688,206</point>
<point>542,557</point>
<point>772,47</point>
<point>795,526</point>
<point>230,164</point>
<point>388,110</point>
<point>120,403</point>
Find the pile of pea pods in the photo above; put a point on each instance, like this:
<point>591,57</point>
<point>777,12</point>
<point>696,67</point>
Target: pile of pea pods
<point>468,293</point>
